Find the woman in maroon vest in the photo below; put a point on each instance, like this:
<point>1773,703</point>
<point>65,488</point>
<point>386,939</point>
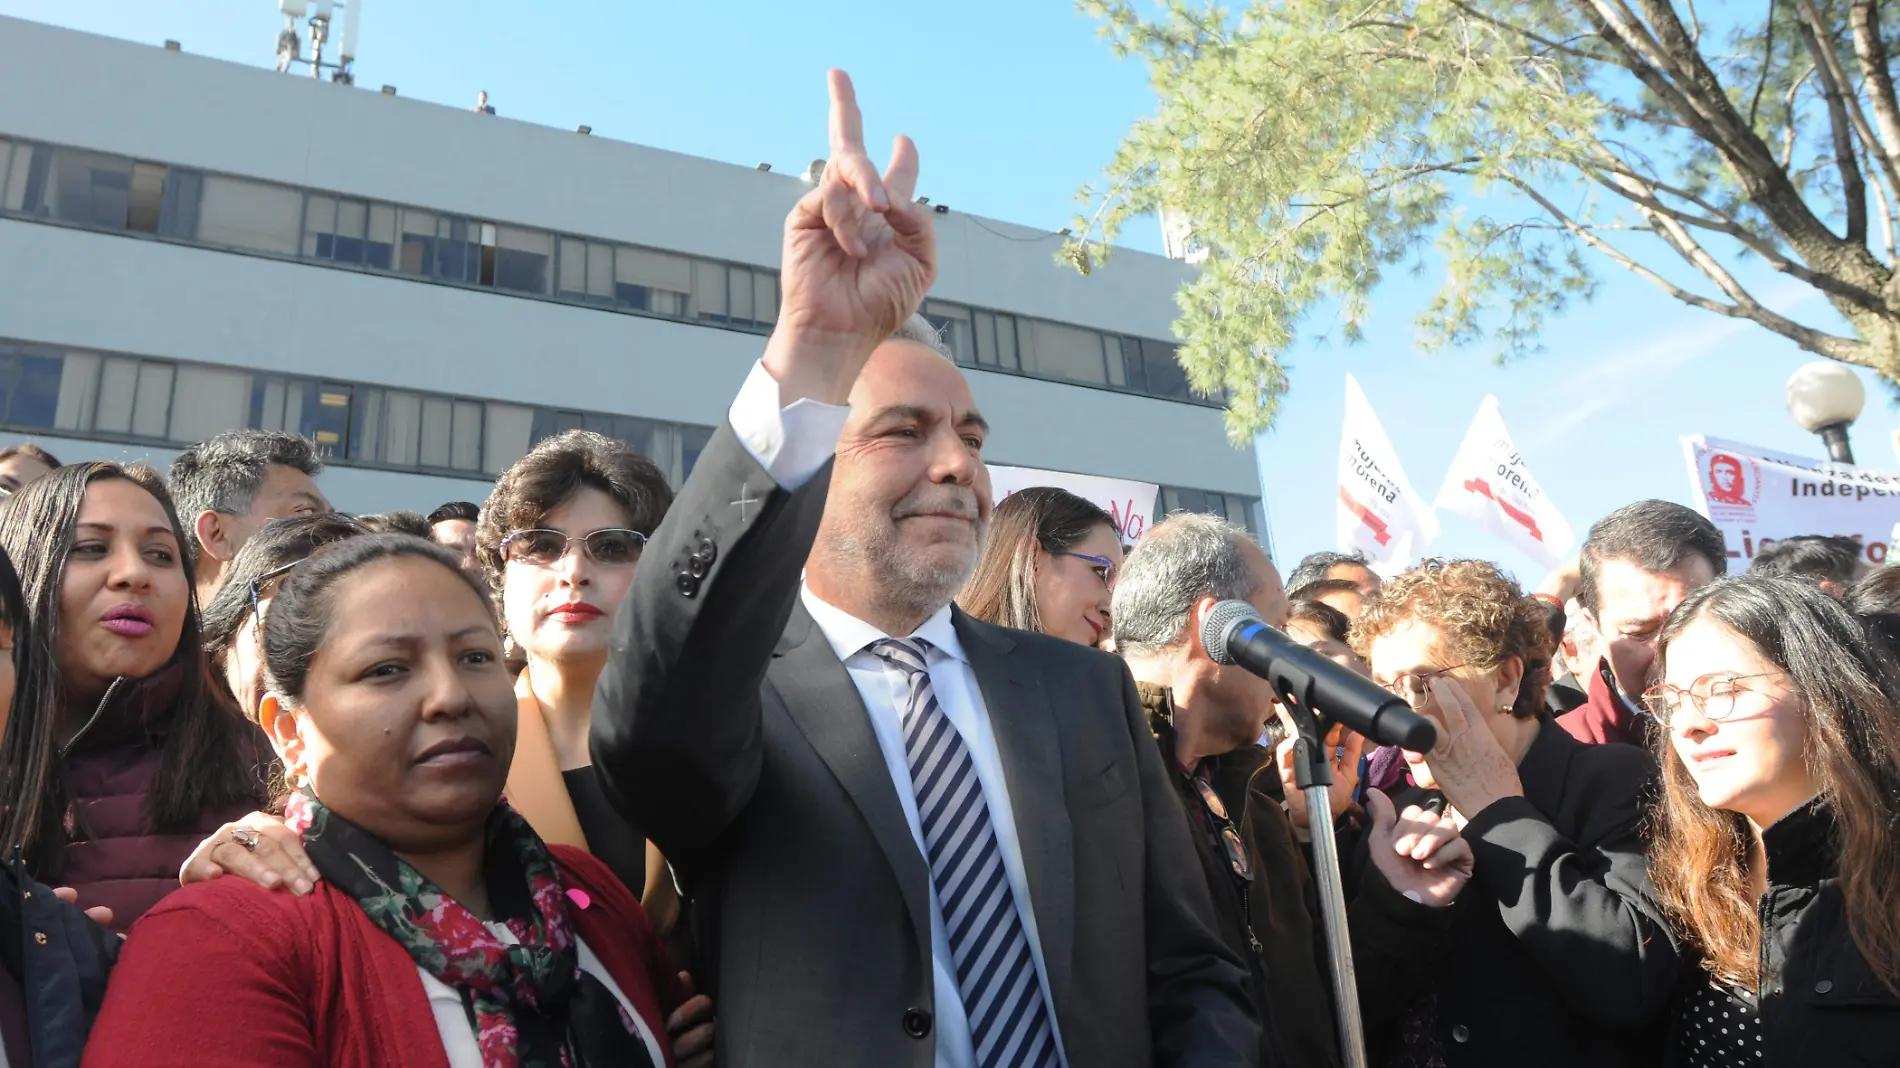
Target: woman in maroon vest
<point>118,758</point>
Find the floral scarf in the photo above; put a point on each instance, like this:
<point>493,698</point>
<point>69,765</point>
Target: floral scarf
<point>531,1005</point>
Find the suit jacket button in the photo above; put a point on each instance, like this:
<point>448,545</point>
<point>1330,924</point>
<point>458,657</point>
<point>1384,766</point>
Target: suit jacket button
<point>916,1023</point>
<point>1461,1033</point>
<point>707,551</point>
<point>1824,986</point>
<point>687,584</point>
<point>697,567</point>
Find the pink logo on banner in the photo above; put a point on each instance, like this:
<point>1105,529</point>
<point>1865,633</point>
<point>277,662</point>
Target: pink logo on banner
<point>1733,483</point>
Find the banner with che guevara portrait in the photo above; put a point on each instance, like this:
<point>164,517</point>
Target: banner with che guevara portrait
<point>1757,496</point>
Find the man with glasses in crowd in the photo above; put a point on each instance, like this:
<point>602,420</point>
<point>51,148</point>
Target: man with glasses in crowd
<point>1206,719</point>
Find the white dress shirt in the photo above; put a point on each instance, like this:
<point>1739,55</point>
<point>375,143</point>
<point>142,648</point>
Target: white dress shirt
<point>793,444</point>
<point>458,1038</point>
<point>885,689</point>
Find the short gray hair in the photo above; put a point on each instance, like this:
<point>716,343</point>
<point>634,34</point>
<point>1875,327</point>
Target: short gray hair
<point>224,473</point>
<point>1174,565</point>
<point>918,329</point>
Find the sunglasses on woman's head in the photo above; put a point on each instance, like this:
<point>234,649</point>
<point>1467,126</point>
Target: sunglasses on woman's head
<point>609,545</point>
<point>258,583</point>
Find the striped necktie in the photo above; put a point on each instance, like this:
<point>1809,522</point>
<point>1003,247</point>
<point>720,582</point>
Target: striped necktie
<point>996,975</point>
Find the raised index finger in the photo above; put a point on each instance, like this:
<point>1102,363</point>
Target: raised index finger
<point>847,122</point>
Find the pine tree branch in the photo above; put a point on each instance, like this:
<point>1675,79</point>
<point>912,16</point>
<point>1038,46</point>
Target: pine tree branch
<point>1767,59</point>
<point>1853,186</point>
<point>1642,191</point>
<point>1847,350</point>
<point>1554,45</point>
<point>1871,50</point>
<point>1767,184</point>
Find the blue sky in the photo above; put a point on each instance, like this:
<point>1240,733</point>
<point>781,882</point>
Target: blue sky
<point>1015,103</point>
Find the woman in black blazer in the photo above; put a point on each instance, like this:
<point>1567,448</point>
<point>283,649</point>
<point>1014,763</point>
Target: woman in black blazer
<point>1561,955</point>
<point>1778,834</point>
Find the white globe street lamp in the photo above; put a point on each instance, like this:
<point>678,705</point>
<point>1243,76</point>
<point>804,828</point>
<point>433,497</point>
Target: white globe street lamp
<point>1825,397</point>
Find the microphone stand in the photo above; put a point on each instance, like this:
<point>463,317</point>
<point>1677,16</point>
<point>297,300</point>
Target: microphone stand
<point>1313,774</point>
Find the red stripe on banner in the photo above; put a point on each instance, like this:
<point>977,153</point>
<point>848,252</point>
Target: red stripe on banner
<point>1483,489</point>
<point>1378,525</point>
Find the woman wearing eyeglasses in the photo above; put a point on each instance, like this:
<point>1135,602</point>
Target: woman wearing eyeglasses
<point>1777,845</point>
<point>1047,566</point>
<point>560,538</point>
<point>1562,956</point>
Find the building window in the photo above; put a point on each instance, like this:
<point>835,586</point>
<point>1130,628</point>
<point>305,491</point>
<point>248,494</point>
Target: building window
<point>651,281</point>
<point>1161,369</point>
<point>119,194</point>
<point>954,328</point>
<point>693,441</point>
<point>521,258</point>
<point>13,163</point>
<point>178,213</point>
<point>207,401</point>
<point>29,387</point>
<point>447,247</point>
<point>250,215</point>
<point>1060,351</point>
<point>316,410</point>
<point>1236,509</point>
<point>709,292</point>
<point>506,436</point>
<point>354,232</point>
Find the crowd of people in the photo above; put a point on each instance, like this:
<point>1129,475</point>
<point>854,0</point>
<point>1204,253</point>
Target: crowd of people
<point>827,761</point>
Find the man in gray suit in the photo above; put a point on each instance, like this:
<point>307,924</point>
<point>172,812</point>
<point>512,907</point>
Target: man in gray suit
<point>914,839</point>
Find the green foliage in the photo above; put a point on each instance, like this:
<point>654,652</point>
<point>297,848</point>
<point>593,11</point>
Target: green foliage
<point>1313,146</point>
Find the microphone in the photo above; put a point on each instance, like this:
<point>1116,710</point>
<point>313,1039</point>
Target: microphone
<point>1234,634</point>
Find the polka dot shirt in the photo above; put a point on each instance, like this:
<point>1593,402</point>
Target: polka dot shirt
<point>1718,1027</point>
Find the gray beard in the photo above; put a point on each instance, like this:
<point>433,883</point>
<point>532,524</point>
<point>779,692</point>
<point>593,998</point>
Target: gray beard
<point>902,586</point>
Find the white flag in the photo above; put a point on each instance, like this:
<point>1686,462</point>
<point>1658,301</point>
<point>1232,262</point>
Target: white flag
<point>1379,512</point>
<point>1490,484</point>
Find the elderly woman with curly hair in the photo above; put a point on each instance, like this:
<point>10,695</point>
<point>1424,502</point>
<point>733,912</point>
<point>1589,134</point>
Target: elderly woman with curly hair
<point>1563,955</point>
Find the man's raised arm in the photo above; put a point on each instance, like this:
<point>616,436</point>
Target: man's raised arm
<point>676,734</point>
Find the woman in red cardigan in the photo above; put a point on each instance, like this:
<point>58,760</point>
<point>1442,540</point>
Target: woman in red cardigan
<point>443,933</point>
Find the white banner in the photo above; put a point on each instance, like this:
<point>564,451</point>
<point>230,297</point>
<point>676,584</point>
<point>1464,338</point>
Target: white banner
<point>1490,485</point>
<point>1378,513</point>
<point>1131,503</point>
<point>1757,497</point>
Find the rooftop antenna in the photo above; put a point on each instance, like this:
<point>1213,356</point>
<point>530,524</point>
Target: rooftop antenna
<point>322,16</point>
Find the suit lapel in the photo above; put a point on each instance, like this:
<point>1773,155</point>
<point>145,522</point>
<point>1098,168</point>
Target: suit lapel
<point>826,706</point>
<point>1031,750</point>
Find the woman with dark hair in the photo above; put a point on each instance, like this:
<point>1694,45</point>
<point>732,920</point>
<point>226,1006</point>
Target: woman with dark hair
<point>445,931</point>
<point>54,960</point>
<point>233,638</point>
<point>22,463</point>
<point>1777,845</point>
<point>1875,600</point>
<point>410,523</point>
<point>1561,953</point>
<point>1047,566</point>
<point>119,755</point>
<point>560,539</point>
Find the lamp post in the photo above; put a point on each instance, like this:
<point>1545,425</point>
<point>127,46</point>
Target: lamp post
<point>1825,397</point>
